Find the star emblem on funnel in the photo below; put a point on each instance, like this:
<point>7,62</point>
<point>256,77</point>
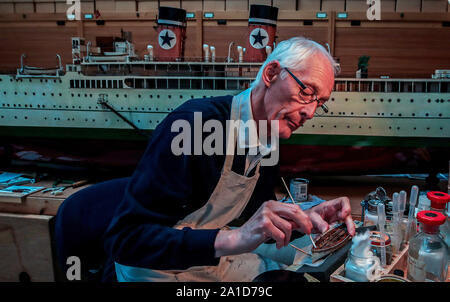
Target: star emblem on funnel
<point>167,39</point>
<point>260,38</point>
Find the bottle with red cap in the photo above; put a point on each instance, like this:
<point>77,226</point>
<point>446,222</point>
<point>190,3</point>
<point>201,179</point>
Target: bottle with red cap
<point>428,253</point>
<point>439,200</point>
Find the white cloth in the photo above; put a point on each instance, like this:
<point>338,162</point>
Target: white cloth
<point>248,136</point>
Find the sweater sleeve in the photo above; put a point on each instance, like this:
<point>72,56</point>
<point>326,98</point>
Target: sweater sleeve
<point>159,194</point>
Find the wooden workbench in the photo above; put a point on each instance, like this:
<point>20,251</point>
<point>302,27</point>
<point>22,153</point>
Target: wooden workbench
<point>25,237</point>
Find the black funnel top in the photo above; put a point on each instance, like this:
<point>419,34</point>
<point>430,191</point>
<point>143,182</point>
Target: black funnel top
<point>177,15</point>
<point>263,14</point>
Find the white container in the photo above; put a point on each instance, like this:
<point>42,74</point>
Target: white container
<point>299,189</point>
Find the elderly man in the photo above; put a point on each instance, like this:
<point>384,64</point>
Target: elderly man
<point>172,221</point>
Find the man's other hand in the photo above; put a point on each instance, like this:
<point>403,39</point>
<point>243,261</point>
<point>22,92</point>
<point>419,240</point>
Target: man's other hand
<point>331,211</point>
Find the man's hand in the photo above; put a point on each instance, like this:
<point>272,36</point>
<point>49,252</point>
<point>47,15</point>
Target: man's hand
<point>331,211</point>
<point>273,219</point>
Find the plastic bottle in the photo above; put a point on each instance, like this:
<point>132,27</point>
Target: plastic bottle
<point>438,202</point>
<point>428,253</point>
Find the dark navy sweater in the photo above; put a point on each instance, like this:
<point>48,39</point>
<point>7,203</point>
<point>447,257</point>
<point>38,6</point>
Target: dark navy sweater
<point>165,188</point>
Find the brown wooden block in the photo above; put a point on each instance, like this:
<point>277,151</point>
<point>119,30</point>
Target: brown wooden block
<point>105,5</point>
<point>387,6</point>
<point>170,3</point>
<point>233,5</point>
<point>147,6</point>
<point>61,7</point>
<point>213,5</point>
<point>333,5</point>
<point>434,6</point>
<point>408,5</point>
<point>45,7</point>
<point>25,248</point>
<point>87,7</point>
<point>24,8</point>
<point>7,8</point>
<point>192,5</point>
<point>309,5</point>
<point>125,6</point>
<point>285,4</point>
<point>356,6</point>
<point>263,2</point>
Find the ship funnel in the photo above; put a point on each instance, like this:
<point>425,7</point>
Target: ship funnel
<point>171,27</point>
<point>240,51</point>
<point>212,49</point>
<point>206,52</point>
<point>262,26</point>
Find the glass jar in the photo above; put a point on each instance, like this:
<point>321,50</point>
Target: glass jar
<point>439,202</point>
<point>375,245</point>
<point>362,269</point>
<point>428,253</point>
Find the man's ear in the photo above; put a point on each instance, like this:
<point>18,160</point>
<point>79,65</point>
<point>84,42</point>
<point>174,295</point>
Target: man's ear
<point>271,72</point>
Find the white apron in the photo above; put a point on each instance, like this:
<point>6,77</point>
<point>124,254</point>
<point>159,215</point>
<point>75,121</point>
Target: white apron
<point>226,203</point>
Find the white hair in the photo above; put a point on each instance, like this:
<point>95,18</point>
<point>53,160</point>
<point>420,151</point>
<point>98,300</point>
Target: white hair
<point>293,54</point>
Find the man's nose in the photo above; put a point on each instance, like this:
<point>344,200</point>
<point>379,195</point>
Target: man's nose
<point>309,110</point>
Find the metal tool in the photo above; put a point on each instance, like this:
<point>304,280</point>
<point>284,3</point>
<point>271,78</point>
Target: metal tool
<point>287,189</point>
<point>381,223</point>
<point>59,190</point>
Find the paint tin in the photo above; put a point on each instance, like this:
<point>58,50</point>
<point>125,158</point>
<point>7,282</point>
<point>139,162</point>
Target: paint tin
<point>299,189</point>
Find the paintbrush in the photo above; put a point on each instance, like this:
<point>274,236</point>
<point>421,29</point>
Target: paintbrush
<point>289,192</point>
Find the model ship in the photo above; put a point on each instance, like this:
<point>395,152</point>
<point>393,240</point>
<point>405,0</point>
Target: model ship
<point>112,98</point>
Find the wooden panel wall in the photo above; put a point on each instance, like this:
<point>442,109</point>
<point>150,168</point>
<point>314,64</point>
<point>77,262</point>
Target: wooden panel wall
<point>51,6</point>
<point>398,52</point>
<point>412,48</point>
<point>40,43</point>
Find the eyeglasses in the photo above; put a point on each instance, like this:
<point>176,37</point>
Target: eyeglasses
<point>308,98</point>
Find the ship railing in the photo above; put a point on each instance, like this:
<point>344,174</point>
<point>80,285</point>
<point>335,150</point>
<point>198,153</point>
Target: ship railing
<point>190,83</point>
<point>392,85</point>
